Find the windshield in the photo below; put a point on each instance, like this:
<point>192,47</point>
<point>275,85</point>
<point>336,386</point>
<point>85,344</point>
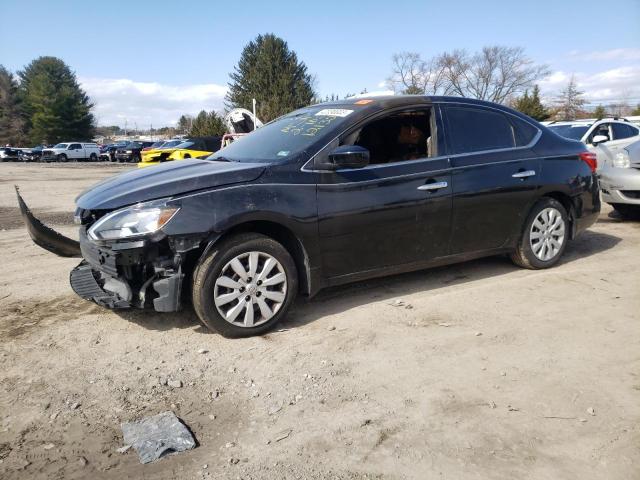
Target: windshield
<point>61,145</point>
<point>185,144</point>
<point>574,132</point>
<point>286,136</point>
<point>171,143</point>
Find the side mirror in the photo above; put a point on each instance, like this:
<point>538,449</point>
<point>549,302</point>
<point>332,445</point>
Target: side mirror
<point>349,156</point>
<point>598,139</point>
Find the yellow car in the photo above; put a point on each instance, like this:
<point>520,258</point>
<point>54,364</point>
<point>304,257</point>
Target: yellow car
<point>152,156</point>
<point>195,147</point>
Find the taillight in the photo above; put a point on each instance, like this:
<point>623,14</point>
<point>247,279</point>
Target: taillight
<point>590,159</point>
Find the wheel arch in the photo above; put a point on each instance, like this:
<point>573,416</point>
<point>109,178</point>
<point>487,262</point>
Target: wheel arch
<point>280,233</point>
<point>568,205</point>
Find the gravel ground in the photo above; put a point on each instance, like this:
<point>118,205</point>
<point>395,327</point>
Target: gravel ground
<point>477,370</point>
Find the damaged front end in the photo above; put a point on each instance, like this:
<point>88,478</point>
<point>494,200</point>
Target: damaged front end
<point>128,261</point>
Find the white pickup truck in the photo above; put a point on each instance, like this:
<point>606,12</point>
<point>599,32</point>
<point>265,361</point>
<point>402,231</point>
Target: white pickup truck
<point>63,152</point>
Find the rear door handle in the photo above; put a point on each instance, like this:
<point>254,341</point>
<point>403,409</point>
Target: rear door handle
<point>525,174</point>
<point>433,186</point>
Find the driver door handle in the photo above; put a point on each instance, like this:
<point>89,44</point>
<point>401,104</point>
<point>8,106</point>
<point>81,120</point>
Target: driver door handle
<point>524,174</point>
<point>433,186</point>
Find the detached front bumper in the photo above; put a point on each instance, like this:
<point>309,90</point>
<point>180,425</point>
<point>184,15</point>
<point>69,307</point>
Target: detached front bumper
<point>620,185</point>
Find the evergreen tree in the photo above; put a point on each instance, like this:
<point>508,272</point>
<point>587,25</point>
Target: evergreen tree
<point>208,123</point>
<point>11,120</point>
<point>184,124</point>
<point>570,101</point>
<point>272,74</point>
<point>636,111</point>
<point>531,105</point>
<point>57,108</point>
<point>600,112</point>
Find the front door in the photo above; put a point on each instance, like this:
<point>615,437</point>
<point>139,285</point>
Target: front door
<point>394,211</point>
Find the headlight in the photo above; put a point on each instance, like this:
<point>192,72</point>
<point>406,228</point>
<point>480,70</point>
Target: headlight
<point>129,151</point>
<point>622,159</point>
<point>135,221</point>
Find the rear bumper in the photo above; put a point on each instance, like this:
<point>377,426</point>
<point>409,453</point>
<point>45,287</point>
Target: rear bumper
<point>620,185</point>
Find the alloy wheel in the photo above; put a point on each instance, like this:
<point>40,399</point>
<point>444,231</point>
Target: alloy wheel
<point>250,289</point>
<point>547,234</point>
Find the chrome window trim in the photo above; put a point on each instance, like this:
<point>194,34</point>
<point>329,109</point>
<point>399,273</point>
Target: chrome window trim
<point>531,144</point>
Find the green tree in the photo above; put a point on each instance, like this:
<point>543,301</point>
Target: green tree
<point>531,105</point>
<point>272,74</point>
<point>11,118</point>
<point>636,111</point>
<point>57,108</point>
<point>207,123</point>
<point>600,112</point>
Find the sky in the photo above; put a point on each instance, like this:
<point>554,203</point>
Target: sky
<point>147,62</point>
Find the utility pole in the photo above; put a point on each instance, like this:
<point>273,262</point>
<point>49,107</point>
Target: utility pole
<point>125,127</point>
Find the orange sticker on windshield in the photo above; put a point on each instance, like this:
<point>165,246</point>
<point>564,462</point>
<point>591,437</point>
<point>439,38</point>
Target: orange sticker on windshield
<point>363,102</point>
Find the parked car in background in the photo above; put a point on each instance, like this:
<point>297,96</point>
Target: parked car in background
<point>9,154</point>
<point>616,143</point>
<point>108,152</point>
<point>605,137</point>
<point>131,152</point>
<point>196,147</point>
<point>326,195</point>
<point>153,156</point>
<point>76,151</point>
<point>32,154</point>
<point>620,180</point>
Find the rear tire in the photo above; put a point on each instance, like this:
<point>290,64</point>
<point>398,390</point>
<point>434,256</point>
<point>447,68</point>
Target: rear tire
<point>545,236</point>
<point>631,212</point>
<point>93,157</point>
<point>246,271</point>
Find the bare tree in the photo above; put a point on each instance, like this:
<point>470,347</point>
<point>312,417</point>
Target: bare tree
<point>496,73</point>
<point>414,76</point>
<point>570,101</point>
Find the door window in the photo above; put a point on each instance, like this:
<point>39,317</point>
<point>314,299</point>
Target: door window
<point>397,137</point>
<point>475,130</point>
<point>602,129</point>
<point>75,146</point>
<point>620,131</point>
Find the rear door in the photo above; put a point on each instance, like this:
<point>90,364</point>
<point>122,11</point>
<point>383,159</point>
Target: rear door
<point>397,209</point>
<point>495,176</point>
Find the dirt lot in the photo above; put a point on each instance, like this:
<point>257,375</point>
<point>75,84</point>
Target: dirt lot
<point>479,370</point>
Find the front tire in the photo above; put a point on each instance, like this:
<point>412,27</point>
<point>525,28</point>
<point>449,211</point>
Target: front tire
<point>545,236</point>
<point>62,157</point>
<point>245,286</point>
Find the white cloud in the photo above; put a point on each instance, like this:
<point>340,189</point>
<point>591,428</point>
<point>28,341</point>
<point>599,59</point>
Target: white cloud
<point>602,55</point>
<point>145,103</point>
<point>613,85</point>
<point>383,84</point>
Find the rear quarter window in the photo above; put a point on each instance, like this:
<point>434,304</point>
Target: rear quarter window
<point>523,131</point>
<point>472,129</point>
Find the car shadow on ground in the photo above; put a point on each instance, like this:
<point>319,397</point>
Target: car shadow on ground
<point>343,298</point>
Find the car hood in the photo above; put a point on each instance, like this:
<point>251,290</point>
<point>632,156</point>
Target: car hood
<point>165,180</point>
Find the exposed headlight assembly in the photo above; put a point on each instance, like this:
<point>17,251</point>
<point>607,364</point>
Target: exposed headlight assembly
<point>135,221</point>
<point>622,159</point>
